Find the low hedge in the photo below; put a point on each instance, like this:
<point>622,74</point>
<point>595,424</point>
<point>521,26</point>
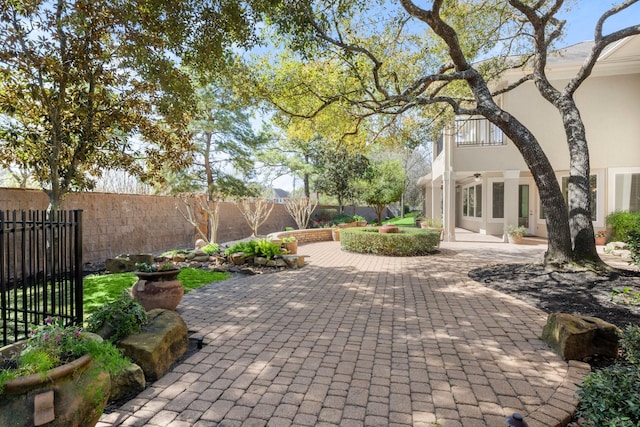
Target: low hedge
<point>407,242</point>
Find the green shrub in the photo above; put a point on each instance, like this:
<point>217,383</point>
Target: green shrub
<point>248,248</point>
<point>342,218</point>
<point>259,247</point>
<point>323,215</point>
<point>267,249</point>
<point>633,244</point>
<point>210,248</point>
<point>622,223</point>
<point>611,396</point>
<point>122,317</point>
<point>630,342</point>
<point>407,242</point>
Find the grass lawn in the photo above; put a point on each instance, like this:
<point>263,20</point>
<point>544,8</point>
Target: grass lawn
<point>102,288</point>
<point>407,221</point>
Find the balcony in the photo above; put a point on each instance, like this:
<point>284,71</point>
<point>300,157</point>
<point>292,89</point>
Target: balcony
<point>477,132</point>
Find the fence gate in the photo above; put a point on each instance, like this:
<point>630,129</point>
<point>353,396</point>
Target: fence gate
<point>40,270</point>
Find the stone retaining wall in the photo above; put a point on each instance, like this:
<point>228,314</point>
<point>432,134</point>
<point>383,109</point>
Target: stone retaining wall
<point>306,236</point>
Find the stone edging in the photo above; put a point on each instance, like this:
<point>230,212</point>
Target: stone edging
<point>308,235</point>
<point>559,409</point>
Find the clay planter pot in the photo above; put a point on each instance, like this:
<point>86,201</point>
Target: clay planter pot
<point>601,241</point>
<point>158,289</point>
<point>291,247</point>
<point>335,234</point>
<point>71,395</point>
<point>515,238</point>
<point>388,228</point>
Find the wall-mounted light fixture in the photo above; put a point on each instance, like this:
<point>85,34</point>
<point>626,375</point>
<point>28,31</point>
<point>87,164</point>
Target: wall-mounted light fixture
<point>477,176</point>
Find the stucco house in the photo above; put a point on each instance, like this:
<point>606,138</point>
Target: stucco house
<point>479,181</point>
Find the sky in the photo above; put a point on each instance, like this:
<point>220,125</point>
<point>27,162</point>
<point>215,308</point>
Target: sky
<point>581,21</point>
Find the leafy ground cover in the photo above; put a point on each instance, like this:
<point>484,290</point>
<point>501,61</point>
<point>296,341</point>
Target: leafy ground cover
<point>102,288</point>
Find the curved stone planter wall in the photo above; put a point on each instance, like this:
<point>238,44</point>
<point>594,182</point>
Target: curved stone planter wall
<point>308,235</point>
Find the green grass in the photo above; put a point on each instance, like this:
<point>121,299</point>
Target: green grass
<point>102,288</point>
<point>402,222</point>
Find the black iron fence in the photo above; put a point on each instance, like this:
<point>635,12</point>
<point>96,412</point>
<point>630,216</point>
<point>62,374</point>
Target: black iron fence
<point>40,270</point>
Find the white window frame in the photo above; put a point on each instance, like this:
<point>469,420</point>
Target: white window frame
<point>600,186</point>
<point>611,176</point>
<point>467,187</point>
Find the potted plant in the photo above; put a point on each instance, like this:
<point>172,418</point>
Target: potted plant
<point>515,234</point>
<point>601,237</point>
<point>290,244</point>
<point>157,286</point>
<point>433,224</point>
<point>59,376</point>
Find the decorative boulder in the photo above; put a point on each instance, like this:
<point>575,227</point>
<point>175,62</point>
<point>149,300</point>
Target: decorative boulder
<point>129,381</point>
<point>160,343</point>
<point>576,337</point>
<point>124,263</point>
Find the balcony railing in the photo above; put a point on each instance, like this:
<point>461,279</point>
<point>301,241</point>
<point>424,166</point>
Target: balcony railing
<point>477,132</point>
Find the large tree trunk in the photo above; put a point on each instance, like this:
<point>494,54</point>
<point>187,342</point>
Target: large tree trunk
<point>559,241</point>
<point>559,250</point>
<point>579,191</point>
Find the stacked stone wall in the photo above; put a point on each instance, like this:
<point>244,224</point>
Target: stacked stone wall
<point>115,224</point>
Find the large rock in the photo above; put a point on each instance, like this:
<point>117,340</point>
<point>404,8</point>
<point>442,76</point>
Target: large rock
<point>160,343</point>
<point>577,337</point>
<point>125,263</point>
<point>127,382</point>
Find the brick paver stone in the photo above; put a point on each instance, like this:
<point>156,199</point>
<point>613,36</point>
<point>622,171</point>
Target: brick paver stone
<point>362,340</point>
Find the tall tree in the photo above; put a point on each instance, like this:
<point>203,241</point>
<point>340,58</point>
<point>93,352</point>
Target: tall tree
<point>226,144</point>
<point>339,170</point>
<point>396,56</point>
<point>87,85</point>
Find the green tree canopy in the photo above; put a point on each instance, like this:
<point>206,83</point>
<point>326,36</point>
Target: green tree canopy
<point>88,85</point>
<point>444,58</point>
<point>339,168</point>
<point>383,185</point>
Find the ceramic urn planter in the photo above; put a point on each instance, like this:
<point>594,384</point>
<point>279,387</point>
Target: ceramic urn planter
<point>388,228</point>
<point>291,247</point>
<point>158,289</point>
<point>71,395</point>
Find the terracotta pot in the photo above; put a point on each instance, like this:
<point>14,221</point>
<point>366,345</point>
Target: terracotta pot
<point>291,247</point>
<point>159,289</point>
<point>601,241</point>
<point>335,234</point>
<point>515,238</point>
<point>71,395</point>
<point>388,228</point>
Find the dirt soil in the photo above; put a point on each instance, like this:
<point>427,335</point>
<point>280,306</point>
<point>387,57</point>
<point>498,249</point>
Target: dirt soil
<point>613,297</point>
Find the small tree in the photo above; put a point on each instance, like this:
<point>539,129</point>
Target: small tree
<point>210,206</point>
<point>384,186</point>
<point>255,211</point>
<point>300,210</point>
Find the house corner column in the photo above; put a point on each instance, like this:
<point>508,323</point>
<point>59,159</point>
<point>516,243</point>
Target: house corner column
<point>448,207</point>
<point>511,195</point>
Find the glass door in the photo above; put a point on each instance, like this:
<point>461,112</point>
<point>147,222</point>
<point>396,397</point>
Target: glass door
<point>523,206</point>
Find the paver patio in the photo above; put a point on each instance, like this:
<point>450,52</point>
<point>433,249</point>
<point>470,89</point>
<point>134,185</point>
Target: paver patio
<point>361,340</point>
